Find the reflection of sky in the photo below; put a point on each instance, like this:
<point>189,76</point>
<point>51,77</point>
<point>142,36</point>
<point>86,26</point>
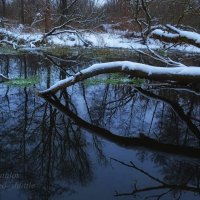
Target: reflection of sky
<point>100,2</point>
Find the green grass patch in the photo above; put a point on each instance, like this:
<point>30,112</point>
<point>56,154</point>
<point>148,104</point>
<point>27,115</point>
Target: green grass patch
<point>114,79</point>
<point>163,52</point>
<point>23,82</point>
<point>59,51</point>
<point>91,53</point>
<point>109,54</point>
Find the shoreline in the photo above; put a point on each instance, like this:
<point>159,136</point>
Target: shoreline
<point>62,50</point>
<point>21,41</point>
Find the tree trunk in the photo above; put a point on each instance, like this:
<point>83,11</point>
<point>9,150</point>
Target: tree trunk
<point>174,35</point>
<point>22,12</point>
<point>47,16</point>
<point>176,39</point>
<point>63,10</point>
<point>3,8</point>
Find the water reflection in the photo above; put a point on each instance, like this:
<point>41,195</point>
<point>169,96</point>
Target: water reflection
<point>179,178</point>
<point>60,147</point>
<point>42,146</point>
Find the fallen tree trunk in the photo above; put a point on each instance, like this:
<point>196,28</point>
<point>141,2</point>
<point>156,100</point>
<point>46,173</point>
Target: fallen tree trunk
<point>14,40</point>
<point>178,74</point>
<point>174,35</point>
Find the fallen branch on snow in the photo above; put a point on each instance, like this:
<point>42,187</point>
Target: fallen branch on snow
<point>13,44</point>
<point>178,74</point>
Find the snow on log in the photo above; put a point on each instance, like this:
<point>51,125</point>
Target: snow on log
<point>19,40</point>
<point>174,35</point>
<point>179,74</point>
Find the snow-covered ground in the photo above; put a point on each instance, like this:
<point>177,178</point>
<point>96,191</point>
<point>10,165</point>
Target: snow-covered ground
<point>101,40</point>
<point>95,39</point>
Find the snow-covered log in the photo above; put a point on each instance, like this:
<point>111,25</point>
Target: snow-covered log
<point>17,40</point>
<point>179,74</point>
<point>13,44</point>
<point>9,38</point>
<point>175,35</point>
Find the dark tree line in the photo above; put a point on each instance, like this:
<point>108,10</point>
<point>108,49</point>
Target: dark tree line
<point>133,13</point>
<point>138,17</point>
<point>46,13</point>
<point>143,12</point>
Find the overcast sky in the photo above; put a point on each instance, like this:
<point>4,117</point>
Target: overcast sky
<point>100,2</point>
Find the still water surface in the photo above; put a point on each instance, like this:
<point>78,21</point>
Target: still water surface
<point>46,153</point>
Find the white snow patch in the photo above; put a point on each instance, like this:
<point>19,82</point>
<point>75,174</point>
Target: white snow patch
<point>100,40</point>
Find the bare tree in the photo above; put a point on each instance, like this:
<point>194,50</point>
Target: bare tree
<point>47,16</point>
<point>3,2</point>
<point>22,16</point>
<point>142,16</point>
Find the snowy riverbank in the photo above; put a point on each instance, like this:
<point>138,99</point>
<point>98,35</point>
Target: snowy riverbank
<point>93,39</point>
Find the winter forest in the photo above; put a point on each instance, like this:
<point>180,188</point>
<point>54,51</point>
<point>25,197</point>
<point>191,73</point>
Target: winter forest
<point>100,99</point>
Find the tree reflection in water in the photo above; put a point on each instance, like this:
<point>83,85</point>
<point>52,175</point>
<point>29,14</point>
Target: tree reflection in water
<point>45,142</point>
<point>178,182</point>
<point>45,147</point>
<point>40,145</point>
<point>178,176</point>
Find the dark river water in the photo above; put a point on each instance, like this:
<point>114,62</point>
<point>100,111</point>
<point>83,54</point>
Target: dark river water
<point>75,146</point>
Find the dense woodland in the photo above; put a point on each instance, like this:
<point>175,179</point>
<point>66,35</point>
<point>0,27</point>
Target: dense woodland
<point>124,14</point>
